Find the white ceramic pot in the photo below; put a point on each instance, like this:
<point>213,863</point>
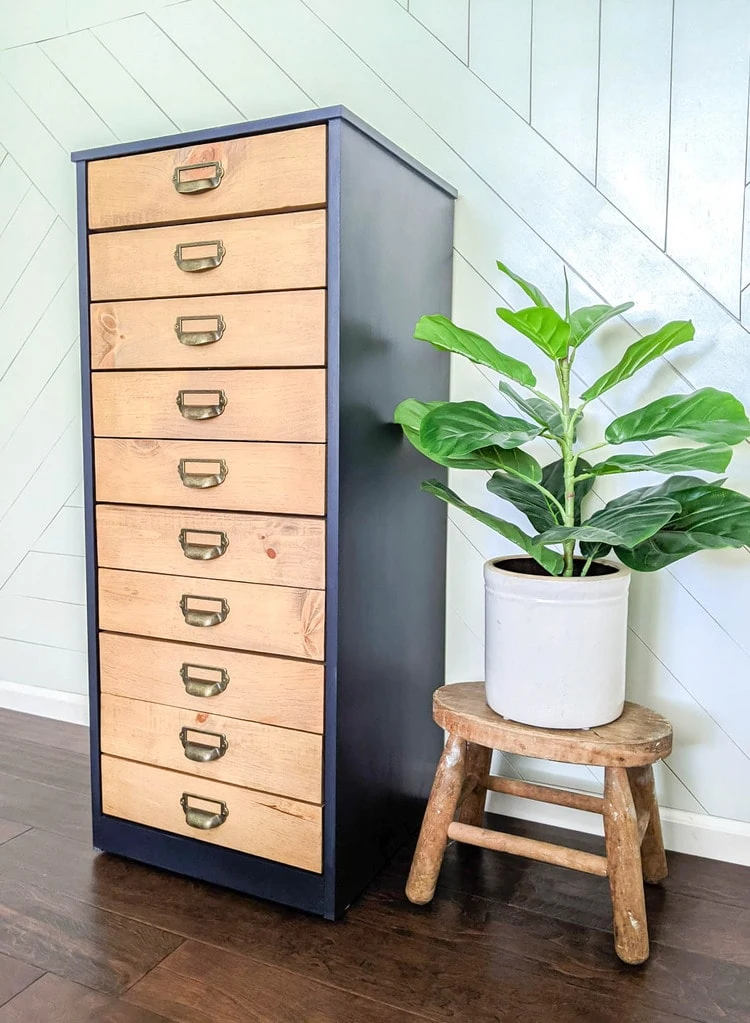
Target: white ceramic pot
<point>555,647</point>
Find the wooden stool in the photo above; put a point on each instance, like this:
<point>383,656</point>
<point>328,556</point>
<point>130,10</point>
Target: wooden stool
<point>626,749</point>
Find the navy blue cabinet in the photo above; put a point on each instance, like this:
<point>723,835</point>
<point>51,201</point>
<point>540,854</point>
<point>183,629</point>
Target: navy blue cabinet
<point>265,578</point>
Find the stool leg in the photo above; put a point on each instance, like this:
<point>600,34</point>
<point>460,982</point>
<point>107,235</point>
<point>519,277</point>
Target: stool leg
<point>478,760</point>
<point>652,848</point>
<point>441,808</point>
<point>624,867</point>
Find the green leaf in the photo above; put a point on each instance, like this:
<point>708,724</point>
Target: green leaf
<point>553,480</point>
<point>587,319</point>
<point>634,518</point>
<point>520,463</point>
<point>678,488</point>
<point>710,518</point>
<point>666,547</point>
<point>711,458</point>
<point>410,413</point>
<point>629,520</point>
<point>457,428</point>
<point>706,415</point>
<point>546,328</point>
<point>531,289</point>
<point>485,458</point>
<point>542,411</point>
<point>640,353</point>
<point>539,510</point>
<point>441,333</point>
<point>550,560</point>
<point>720,512</point>
<point>624,526</point>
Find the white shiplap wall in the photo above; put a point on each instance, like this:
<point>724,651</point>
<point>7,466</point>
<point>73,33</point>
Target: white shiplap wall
<point>609,135</point>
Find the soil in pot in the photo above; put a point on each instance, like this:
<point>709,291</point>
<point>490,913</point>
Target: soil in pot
<point>527,566</point>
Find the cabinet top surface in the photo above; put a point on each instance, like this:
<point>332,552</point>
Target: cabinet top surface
<point>268,124</point>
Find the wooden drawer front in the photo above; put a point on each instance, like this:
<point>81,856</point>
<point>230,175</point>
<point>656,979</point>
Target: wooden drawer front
<point>284,551</point>
<point>287,479</point>
<point>268,619</point>
<point>266,329</point>
<point>263,825</point>
<point>279,171</point>
<point>255,756</point>
<point>250,404</point>
<point>274,253</point>
<point>257,687</point>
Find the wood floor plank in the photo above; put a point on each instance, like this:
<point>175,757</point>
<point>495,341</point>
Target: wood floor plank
<point>689,924</point>
<point>504,939</point>
<point>56,1000</point>
<point>77,941</point>
<point>45,731</point>
<point>713,990</point>
<point>49,765</point>
<point>202,984</point>
<point>680,921</point>
<point>14,977</point>
<point>402,969</point>
<point>713,880</point>
<point>718,925</point>
<point>41,806</point>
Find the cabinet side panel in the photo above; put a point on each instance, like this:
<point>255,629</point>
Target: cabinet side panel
<point>88,490</point>
<point>396,237</point>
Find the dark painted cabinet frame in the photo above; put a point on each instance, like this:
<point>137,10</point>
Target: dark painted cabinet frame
<point>390,231</point>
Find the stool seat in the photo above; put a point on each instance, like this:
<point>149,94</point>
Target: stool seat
<point>639,737</point>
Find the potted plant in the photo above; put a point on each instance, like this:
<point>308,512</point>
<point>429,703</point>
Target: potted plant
<point>556,615</point>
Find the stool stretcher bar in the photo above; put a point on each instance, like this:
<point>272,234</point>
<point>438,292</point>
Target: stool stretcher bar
<point>532,848</point>
<point>544,793</point>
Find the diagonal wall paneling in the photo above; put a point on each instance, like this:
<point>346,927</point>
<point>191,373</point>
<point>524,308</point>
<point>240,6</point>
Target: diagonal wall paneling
<point>634,110</point>
<point>710,65</point>
<point>606,135</point>
<point>565,66</point>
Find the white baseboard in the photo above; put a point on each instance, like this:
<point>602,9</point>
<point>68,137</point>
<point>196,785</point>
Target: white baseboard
<point>45,703</point>
<point>716,838</point>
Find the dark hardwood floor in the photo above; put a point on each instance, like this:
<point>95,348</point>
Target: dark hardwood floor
<point>90,938</point>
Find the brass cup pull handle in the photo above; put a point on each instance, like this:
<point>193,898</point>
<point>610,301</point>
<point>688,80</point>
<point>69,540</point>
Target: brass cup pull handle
<point>201,480</point>
<point>203,687</point>
<point>203,619</point>
<point>204,820</point>
<point>193,338</point>
<point>203,551</point>
<point>203,184</point>
<point>197,264</point>
<point>202,752</point>
<point>209,410</point>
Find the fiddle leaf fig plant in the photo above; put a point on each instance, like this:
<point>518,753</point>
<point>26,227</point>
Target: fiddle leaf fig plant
<point>649,527</point>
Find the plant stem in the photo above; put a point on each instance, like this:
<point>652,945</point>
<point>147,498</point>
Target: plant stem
<point>569,461</point>
<point>593,447</point>
<point>587,566</point>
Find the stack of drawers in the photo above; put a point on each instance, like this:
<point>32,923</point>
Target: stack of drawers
<point>265,579</point>
<point>207,278</point>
